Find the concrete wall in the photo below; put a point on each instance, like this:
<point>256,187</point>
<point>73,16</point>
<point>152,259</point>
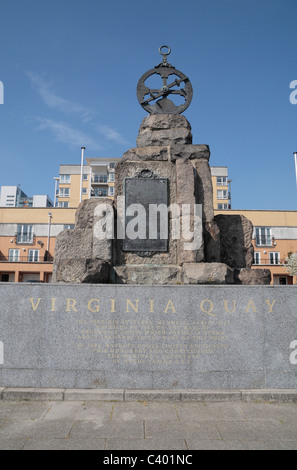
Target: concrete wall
<point>156,337</point>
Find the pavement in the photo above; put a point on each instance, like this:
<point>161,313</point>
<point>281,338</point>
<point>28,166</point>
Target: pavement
<point>38,419</point>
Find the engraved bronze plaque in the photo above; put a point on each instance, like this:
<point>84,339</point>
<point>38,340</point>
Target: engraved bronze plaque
<point>146,214</point>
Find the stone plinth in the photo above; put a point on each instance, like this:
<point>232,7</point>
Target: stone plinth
<point>148,337</point>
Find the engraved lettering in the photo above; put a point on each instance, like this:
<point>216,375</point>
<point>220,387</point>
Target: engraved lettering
<point>35,306</point>
<point>226,306</point>
<point>209,310</point>
<point>134,307</point>
<point>170,306</point>
<point>251,305</point>
<point>96,308</point>
<point>71,305</point>
<point>270,305</point>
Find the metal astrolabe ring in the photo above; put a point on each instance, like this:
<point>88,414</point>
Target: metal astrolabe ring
<point>156,100</point>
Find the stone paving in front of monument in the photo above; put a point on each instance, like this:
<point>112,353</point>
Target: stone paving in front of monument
<point>166,425</point>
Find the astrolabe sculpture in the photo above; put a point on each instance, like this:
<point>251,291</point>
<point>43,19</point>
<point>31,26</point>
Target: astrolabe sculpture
<point>173,83</point>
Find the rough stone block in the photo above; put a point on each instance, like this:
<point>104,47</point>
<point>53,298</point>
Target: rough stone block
<point>207,273</point>
<point>189,152</point>
<point>247,276</point>
<point>155,153</point>
<point>185,195</point>
<point>146,274</point>
<point>236,232</point>
<point>164,129</point>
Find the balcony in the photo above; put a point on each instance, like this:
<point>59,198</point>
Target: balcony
<point>26,259</point>
<point>99,179</point>
<point>269,262</point>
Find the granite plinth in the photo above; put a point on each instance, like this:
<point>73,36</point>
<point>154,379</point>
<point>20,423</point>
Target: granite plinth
<point>152,337</point>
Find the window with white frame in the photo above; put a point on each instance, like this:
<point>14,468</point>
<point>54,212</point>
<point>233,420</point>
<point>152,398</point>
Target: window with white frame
<point>25,233</point>
<point>64,192</point>
<point>223,207</point>
<point>85,177</point>
<point>222,181</point>
<point>111,177</point>
<point>274,257</point>
<point>111,190</point>
<point>64,179</point>
<point>14,255</point>
<point>263,236</point>
<point>222,194</point>
<point>33,256</point>
<point>85,190</point>
<point>257,257</point>
<point>62,204</point>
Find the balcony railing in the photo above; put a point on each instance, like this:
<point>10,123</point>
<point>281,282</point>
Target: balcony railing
<point>269,262</point>
<point>25,259</point>
<point>99,179</point>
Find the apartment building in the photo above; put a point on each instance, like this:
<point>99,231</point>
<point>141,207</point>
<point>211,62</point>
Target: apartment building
<point>27,241</point>
<point>14,196</point>
<point>94,179</point>
<point>221,188</point>
<point>274,238</point>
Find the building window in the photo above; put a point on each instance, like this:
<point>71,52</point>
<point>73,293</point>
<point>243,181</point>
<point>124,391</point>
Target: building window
<point>222,194</point>
<point>99,192</point>
<point>111,191</point>
<point>69,227</point>
<point>257,257</point>
<point>64,192</point>
<point>62,204</point>
<point>85,190</point>
<point>111,177</point>
<point>33,256</point>
<point>25,234</point>
<point>263,236</point>
<point>223,207</point>
<point>14,255</point>
<point>222,181</point>
<point>112,165</point>
<point>274,257</point>
<point>65,179</point>
<point>99,178</point>
<point>282,281</point>
<point>85,177</point>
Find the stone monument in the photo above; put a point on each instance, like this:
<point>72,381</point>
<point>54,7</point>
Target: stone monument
<point>160,228</point>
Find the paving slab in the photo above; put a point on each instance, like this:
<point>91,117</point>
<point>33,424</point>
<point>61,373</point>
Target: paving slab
<point>210,412</point>
<point>64,444</point>
<point>147,425</point>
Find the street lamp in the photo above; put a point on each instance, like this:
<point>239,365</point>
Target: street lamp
<point>295,156</point>
<point>81,171</point>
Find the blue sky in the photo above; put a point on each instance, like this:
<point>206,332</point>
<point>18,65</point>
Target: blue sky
<point>70,70</point>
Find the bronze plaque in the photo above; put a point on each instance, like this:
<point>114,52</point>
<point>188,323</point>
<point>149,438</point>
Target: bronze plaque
<point>146,214</point>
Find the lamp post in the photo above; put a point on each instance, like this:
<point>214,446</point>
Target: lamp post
<point>49,230</point>
<point>81,171</point>
<point>295,156</point>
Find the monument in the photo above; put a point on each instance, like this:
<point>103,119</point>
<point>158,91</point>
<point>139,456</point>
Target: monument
<point>161,227</point>
<point>151,290</point>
